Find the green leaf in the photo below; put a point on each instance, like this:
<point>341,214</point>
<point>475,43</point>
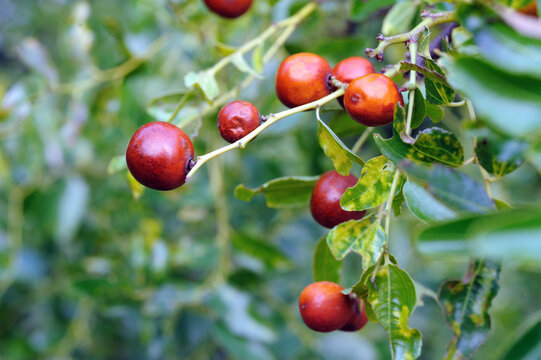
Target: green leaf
<point>205,81</point>
<point>362,9</point>
<point>437,92</point>
<point>335,149</point>
<point>241,64</point>
<point>434,76</point>
<point>281,192</point>
<point>237,347</point>
<point>394,148</point>
<point>398,198</point>
<point>257,59</point>
<point>224,49</point>
<point>398,20</point>
<point>435,112</point>
<point>498,96</point>
<point>324,266</point>
<point>440,145</point>
<point>465,305</point>
<point>245,194</point>
<point>500,155</point>
<point>136,188</point>
<point>526,344</point>
<point>365,237</point>
<point>423,205</point>
<point>509,51</point>
<point>419,110</point>
<point>510,234</point>
<point>261,249</point>
<point>392,298</point>
<point>117,163</point>
<point>424,43</point>
<point>453,188</point>
<point>373,186</point>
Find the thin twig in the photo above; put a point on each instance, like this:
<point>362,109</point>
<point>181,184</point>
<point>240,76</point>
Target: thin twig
<point>271,119</point>
<point>362,139</point>
<point>410,36</point>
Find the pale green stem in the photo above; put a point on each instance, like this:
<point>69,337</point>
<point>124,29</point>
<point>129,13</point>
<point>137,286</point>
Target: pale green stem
<point>362,139</point>
<point>413,80</point>
<point>291,21</point>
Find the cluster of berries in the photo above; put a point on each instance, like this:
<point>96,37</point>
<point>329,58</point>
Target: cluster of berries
<point>160,155</point>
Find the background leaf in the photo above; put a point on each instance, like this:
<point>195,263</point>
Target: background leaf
<point>282,192</point>
<point>453,188</point>
<point>499,96</point>
<point>423,204</point>
<point>398,20</point>
<point>510,234</point>
<point>465,305</point>
<point>324,266</point>
<point>525,343</point>
<point>500,155</point>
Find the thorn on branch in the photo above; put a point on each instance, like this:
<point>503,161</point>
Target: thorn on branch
<point>380,37</point>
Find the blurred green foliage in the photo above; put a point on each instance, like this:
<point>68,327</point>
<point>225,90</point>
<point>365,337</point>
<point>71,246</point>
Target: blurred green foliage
<point>88,270</point>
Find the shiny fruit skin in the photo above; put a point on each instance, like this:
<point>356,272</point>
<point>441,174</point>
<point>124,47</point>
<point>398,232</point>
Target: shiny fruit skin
<point>350,69</point>
<point>229,9</point>
<point>358,319</point>
<point>323,307</point>
<point>302,78</point>
<point>371,100</point>
<point>325,201</point>
<point>237,119</point>
<point>158,155</point>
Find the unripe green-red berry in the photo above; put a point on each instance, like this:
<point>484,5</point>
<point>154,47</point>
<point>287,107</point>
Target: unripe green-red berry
<point>358,319</point>
<point>325,201</point>
<point>159,154</point>
<point>229,9</point>
<point>237,119</point>
<point>302,78</point>
<point>371,99</point>
<point>350,69</point>
<point>324,308</point>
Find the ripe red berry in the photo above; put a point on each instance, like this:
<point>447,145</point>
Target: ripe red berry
<point>302,78</point>
<point>229,8</point>
<point>358,319</point>
<point>325,202</point>
<point>323,307</point>
<point>237,119</point>
<point>158,155</point>
<point>350,69</point>
<point>371,99</point>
